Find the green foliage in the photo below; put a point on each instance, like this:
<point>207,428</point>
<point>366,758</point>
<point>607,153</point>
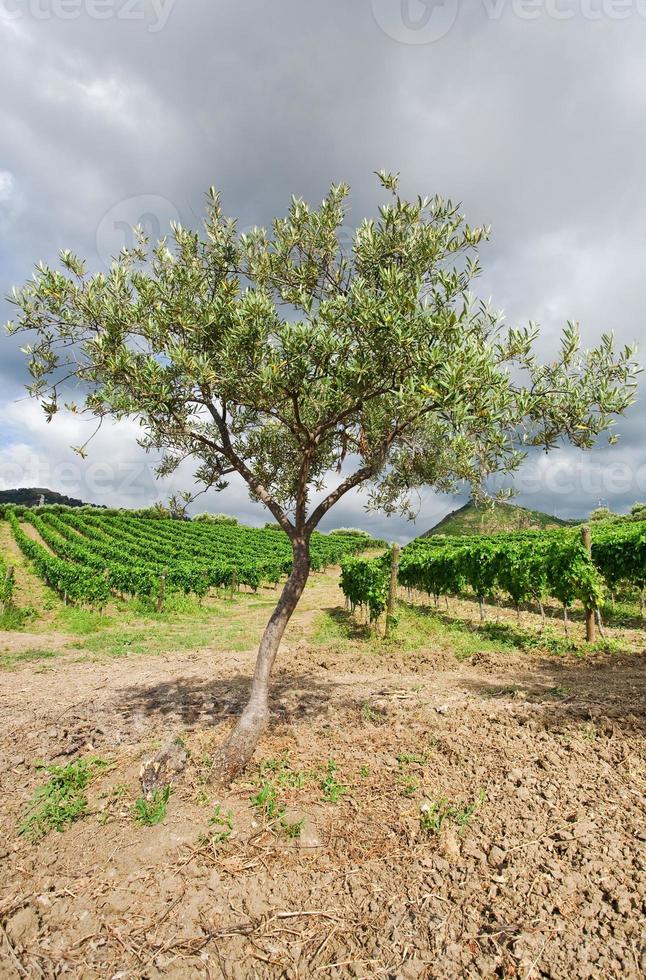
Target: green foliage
<point>216,519</point>
<point>62,799</point>
<point>59,574</point>
<point>494,517</point>
<point>9,661</point>
<point>601,514</point>
<point>91,555</point>
<point>221,824</point>
<point>436,812</point>
<point>280,772</point>
<point>266,802</point>
<point>364,582</point>
<point>619,552</point>
<point>151,812</point>
<point>332,789</point>
<point>526,566</point>
<point>282,357</point>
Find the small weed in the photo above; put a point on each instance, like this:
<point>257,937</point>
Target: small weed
<point>291,828</point>
<point>333,790</point>
<point>376,716</point>
<point>434,813</point>
<point>364,772</point>
<point>151,812</point>
<point>409,785</point>
<point>411,759</point>
<point>222,824</point>
<point>590,732</point>
<point>273,811</point>
<point>266,802</point>
<point>281,773</point>
<point>463,815</point>
<point>558,692</point>
<point>62,799</point>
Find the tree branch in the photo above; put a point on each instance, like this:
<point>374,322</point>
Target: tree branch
<point>348,484</point>
<point>260,491</point>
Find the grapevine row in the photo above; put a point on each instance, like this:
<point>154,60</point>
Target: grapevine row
<point>525,566</point>
<point>87,555</point>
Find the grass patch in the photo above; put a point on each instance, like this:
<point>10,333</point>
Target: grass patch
<point>61,800</point>
<point>273,811</point>
<point>281,773</point>
<point>16,618</point>
<point>9,661</point>
<point>151,812</point>
<point>419,628</point>
<point>422,627</point>
<point>177,636</point>
<point>82,622</point>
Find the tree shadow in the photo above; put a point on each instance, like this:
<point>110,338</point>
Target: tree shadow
<point>294,696</point>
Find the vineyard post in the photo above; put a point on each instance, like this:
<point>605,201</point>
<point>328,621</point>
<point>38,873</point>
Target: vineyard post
<point>7,589</point>
<point>162,592</point>
<point>234,582</point>
<point>392,590</point>
<point>586,538</point>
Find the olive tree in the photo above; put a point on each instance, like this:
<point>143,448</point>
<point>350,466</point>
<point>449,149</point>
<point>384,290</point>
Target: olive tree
<point>311,370</point>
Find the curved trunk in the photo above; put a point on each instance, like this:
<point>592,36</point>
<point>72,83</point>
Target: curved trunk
<point>232,757</point>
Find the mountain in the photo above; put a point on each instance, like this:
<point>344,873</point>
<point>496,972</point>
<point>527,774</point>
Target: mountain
<point>31,497</point>
<point>471,519</point>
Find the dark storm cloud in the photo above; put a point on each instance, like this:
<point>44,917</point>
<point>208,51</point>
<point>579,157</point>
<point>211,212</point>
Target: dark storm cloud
<point>116,111</point>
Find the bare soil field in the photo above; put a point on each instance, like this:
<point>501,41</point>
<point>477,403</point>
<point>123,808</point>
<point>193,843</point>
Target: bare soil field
<point>453,807</point>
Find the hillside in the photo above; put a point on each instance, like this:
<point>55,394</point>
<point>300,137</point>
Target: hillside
<point>471,519</point>
<point>31,497</point>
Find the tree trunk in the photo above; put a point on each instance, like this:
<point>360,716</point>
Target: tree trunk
<point>232,757</point>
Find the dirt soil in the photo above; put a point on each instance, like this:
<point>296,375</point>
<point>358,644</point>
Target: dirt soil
<point>537,869</point>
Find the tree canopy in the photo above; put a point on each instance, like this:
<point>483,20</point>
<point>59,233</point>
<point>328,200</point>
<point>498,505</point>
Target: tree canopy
<point>279,356</point>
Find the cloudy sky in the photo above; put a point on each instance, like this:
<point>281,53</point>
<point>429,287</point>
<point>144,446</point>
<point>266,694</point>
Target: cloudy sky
<point>531,112</point>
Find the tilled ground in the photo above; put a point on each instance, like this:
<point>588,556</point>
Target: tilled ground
<point>489,821</point>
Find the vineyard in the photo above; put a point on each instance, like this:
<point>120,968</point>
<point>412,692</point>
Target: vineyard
<point>453,750</point>
<point>523,567</point>
<point>87,556</point>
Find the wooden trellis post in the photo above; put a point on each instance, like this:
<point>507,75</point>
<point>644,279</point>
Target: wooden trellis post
<point>392,590</point>
<point>586,538</point>
<point>162,592</point>
<point>7,590</point>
